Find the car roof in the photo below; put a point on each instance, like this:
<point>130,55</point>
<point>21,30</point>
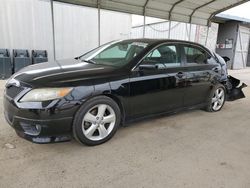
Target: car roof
<point>158,41</point>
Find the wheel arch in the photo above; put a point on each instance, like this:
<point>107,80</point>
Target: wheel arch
<point>119,103</point>
<point>114,98</point>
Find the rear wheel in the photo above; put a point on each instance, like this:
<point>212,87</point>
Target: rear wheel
<point>97,121</point>
<point>216,99</point>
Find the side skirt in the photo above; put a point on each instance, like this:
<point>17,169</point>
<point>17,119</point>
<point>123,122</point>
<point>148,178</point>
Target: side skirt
<point>129,120</point>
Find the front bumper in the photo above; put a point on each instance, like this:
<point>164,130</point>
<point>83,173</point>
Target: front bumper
<point>41,125</point>
<point>234,89</point>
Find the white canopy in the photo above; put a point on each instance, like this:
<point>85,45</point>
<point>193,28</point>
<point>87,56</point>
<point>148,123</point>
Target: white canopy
<point>189,11</point>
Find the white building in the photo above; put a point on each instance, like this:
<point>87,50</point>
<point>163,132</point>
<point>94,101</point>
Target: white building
<point>27,24</point>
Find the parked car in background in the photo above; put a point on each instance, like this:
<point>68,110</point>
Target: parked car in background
<point>90,96</point>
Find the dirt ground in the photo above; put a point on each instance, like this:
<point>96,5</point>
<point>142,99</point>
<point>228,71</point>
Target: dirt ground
<point>191,149</point>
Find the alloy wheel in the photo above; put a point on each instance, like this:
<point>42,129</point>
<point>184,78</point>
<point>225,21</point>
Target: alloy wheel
<point>98,122</point>
<point>218,99</point>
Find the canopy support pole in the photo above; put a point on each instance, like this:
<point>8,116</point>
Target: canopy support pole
<point>53,28</point>
<point>144,18</point>
<point>144,26</point>
<point>170,16</point>
<point>169,29</point>
<point>190,32</point>
<point>207,36</point>
<point>99,22</point>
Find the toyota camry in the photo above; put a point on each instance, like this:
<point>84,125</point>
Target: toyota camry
<point>90,96</point>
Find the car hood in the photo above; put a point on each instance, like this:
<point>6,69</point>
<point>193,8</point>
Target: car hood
<point>63,73</point>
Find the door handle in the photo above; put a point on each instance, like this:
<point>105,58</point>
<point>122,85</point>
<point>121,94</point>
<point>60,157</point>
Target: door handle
<point>180,74</point>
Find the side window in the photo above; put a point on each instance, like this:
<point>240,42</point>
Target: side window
<point>155,53</point>
<point>165,54</point>
<point>195,55</point>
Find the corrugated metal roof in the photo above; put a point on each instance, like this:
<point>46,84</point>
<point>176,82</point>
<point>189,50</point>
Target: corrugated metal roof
<point>190,11</point>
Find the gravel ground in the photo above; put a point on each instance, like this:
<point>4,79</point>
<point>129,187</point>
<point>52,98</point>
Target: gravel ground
<point>189,149</point>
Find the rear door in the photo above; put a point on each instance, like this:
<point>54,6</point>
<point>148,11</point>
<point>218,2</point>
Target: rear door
<point>200,69</point>
<point>155,90</point>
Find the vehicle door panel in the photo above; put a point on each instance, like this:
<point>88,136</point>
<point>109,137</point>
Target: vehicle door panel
<point>198,84</point>
<point>160,89</point>
<point>144,88</point>
<point>156,91</point>
<point>199,75</point>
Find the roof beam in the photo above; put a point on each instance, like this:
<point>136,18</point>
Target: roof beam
<point>172,8</point>
<point>199,7</point>
<point>144,7</point>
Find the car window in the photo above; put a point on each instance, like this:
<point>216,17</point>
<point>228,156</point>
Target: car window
<point>165,54</point>
<point>155,53</point>
<point>115,53</point>
<point>195,55</point>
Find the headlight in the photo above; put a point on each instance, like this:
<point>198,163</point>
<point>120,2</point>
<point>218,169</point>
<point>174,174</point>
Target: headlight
<point>12,81</point>
<point>45,94</point>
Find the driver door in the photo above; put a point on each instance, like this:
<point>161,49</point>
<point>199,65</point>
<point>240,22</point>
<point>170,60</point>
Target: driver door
<point>156,84</point>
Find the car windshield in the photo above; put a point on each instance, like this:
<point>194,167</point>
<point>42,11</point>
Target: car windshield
<point>114,53</point>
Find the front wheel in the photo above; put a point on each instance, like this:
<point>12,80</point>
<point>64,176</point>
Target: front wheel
<point>96,121</point>
<point>216,99</point>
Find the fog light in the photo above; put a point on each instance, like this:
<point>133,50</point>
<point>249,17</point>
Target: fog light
<point>38,128</point>
<point>33,130</point>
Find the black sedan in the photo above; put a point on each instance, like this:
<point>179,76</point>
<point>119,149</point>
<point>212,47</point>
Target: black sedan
<point>90,96</point>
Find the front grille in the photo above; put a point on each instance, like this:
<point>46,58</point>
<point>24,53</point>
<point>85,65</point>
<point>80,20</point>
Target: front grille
<point>13,91</point>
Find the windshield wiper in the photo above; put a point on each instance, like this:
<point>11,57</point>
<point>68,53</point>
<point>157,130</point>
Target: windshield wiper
<point>89,61</point>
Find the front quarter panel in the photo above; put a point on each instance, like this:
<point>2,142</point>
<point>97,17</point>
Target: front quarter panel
<point>120,90</point>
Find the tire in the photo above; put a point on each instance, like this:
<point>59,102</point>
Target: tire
<point>96,121</point>
<point>217,96</point>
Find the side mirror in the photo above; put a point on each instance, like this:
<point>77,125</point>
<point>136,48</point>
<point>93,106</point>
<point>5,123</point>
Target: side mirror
<point>148,67</point>
<point>151,65</point>
<point>226,59</point>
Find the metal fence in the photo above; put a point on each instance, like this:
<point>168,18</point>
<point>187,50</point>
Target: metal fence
<point>181,31</point>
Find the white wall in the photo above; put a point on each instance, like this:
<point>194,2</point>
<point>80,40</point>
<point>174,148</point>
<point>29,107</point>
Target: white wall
<point>76,29</point>
<point>114,26</point>
<point>27,24</point>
